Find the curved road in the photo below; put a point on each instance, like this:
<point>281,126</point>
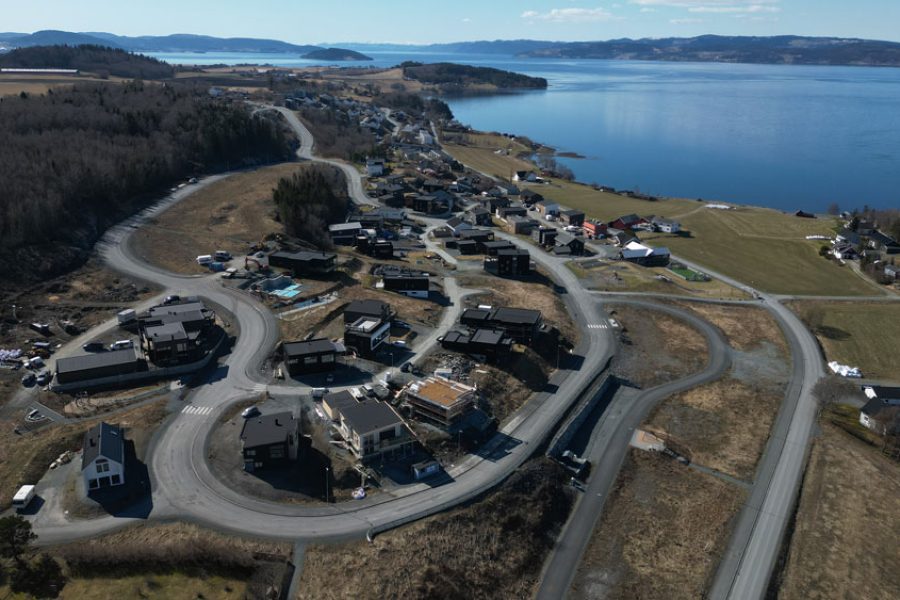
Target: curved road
<point>612,436</point>
<point>183,486</point>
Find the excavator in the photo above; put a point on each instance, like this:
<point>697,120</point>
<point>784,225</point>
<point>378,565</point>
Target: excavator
<point>259,266</point>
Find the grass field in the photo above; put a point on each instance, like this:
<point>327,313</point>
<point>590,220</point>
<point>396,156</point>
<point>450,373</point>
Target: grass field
<point>846,543</point>
<point>858,334</point>
<point>762,247</point>
<point>622,276</point>
<point>662,532</point>
<point>227,215</point>
<point>723,425</point>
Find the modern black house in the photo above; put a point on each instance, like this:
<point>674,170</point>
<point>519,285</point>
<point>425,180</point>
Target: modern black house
<point>344,234</point>
<point>511,262</point>
<point>493,344</point>
<point>311,356</point>
<point>269,440</point>
<point>521,324</point>
<point>544,236</point>
<point>375,309</point>
<point>414,285</point>
<point>365,335</point>
<point>304,262</point>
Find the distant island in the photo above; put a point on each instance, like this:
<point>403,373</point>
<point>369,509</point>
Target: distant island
<point>451,77</point>
<point>336,54</point>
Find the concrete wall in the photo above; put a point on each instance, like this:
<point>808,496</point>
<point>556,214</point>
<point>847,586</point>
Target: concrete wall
<point>573,423</point>
<point>134,378</point>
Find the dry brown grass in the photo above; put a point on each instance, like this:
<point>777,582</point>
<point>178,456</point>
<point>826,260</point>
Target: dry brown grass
<point>745,328</point>
<point>25,458</point>
<point>227,215</point>
<point>147,552</point>
<point>660,348</point>
<point>493,548</point>
<point>723,425</point>
<point>328,319</point>
<point>661,535</point>
<point>846,543</point>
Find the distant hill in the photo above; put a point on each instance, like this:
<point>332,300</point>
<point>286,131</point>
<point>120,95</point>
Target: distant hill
<point>179,42</point>
<point>785,49</point>
<point>335,54</point>
<point>95,59</point>
<point>452,75</point>
<point>186,42</point>
<point>52,37</point>
<point>788,49</point>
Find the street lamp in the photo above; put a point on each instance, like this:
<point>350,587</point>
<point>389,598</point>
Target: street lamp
<point>327,473</point>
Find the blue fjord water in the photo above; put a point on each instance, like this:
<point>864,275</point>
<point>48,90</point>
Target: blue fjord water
<point>784,136</point>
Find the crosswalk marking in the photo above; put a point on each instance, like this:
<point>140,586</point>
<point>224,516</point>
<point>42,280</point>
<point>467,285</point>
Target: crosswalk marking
<point>196,410</point>
<point>603,325</point>
<point>260,387</point>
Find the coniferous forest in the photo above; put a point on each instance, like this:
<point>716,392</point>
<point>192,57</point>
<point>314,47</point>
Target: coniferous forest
<point>76,160</point>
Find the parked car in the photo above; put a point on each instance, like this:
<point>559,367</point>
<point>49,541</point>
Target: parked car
<point>250,412</point>
<point>122,345</point>
<point>28,379</point>
<point>171,299</point>
<point>405,367</point>
<point>43,378</point>
<point>93,347</point>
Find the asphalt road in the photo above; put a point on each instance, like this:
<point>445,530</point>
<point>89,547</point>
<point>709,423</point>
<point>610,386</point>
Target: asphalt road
<point>183,486</point>
<point>611,438</point>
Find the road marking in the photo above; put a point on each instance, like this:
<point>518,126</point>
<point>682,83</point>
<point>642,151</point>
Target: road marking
<point>260,387</point>
<point>603,325</point>
<point>196,410</point>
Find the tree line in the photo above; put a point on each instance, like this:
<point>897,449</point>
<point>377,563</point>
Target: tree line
<point>95,59</point>
<point>77,160</point>
<point>311,200</point>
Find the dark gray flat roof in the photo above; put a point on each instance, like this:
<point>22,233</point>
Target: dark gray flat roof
<point>305,255</point>
<point>488,336</point>
<point>338,400</point>
<point>370,415</point>
<point>177,309</point>
<point>103,440</point>
<point>370,307</point>
<point>516,315</point>
<point>167,332</point>
<point>268,429</point>
<point>317,346</point>
<point>96,360</point>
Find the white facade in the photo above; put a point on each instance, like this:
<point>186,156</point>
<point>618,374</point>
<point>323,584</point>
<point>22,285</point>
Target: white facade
<point>103,472</point>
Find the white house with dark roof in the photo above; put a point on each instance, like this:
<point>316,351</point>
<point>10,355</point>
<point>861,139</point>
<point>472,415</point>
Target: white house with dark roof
<point>103,457</point>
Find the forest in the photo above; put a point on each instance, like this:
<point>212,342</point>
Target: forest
<point>101,60</point>
<point>311,200</point>
<point>456,75</point>
<point>77,160</point>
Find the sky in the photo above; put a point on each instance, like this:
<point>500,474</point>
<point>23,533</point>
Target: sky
<point>434,21</point>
